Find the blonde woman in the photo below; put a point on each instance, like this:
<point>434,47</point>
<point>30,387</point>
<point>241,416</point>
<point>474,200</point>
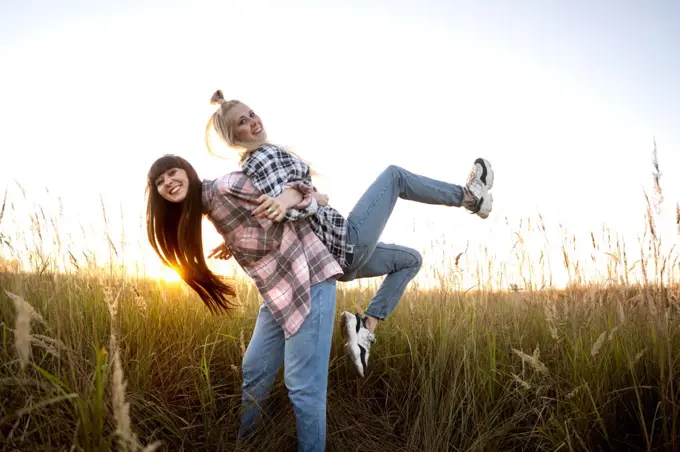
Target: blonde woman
<point>354,241</point>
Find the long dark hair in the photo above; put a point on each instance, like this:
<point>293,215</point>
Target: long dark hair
<point>174,231</point>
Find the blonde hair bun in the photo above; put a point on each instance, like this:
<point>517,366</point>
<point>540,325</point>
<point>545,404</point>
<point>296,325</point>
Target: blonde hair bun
<point>217,98</point>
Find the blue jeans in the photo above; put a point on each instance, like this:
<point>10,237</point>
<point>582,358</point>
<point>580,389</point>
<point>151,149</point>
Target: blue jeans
<point>367,221</point>
<point>305,356</point>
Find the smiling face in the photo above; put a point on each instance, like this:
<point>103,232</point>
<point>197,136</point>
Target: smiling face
<point>173,185</point>
<point>246,127</point>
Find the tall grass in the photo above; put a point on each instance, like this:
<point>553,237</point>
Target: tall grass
<point>95,359</point>
<point>582,368</point>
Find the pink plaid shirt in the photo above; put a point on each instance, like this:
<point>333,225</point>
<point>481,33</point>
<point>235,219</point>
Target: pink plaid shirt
<point>283,259</point>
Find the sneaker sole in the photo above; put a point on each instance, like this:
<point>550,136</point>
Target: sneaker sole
<point>488,199</point>
<point>352,348</point>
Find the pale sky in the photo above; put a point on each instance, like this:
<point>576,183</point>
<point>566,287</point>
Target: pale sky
<point>564,98</point>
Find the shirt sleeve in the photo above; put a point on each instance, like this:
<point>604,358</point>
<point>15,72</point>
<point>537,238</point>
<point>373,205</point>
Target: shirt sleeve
<point>272,170</point>
<point>249,239</point>
<point>239,185</point>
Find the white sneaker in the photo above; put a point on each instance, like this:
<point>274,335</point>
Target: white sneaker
<point>359,340</point>
<point>481,172</point>
<point>479,182</point>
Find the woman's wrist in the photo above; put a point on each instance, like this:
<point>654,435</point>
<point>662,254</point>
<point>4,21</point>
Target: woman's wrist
<point>290,197</point>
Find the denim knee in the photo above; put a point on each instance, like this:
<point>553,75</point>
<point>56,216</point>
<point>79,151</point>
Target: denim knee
<point>250,366</point>
<point>393,169</point>
<point>417,260</point>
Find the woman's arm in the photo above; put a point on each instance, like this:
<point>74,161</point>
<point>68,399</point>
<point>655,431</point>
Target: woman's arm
<point>320,198</point>
<point>221,252</point>
<point>273,171</point>
<point>276,208</point>
<point>240,186</point>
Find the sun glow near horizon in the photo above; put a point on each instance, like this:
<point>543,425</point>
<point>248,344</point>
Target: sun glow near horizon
<point>168,275</point>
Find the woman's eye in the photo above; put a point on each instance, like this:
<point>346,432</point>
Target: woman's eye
<point>252,114</point>
<point>242,121</point>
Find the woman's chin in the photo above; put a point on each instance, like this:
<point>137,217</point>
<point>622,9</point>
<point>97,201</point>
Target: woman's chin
<point>257,141</point>
<point>176,199</point>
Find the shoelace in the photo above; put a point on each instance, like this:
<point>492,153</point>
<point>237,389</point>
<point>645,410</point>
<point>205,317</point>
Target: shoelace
<point>370,336</point>
<point>472,175</point>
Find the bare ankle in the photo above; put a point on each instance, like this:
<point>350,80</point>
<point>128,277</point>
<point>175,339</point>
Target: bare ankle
<point>371,323</point>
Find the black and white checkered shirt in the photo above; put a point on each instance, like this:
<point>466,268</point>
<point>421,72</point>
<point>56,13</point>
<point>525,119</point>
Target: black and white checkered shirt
<point>272,169</point>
